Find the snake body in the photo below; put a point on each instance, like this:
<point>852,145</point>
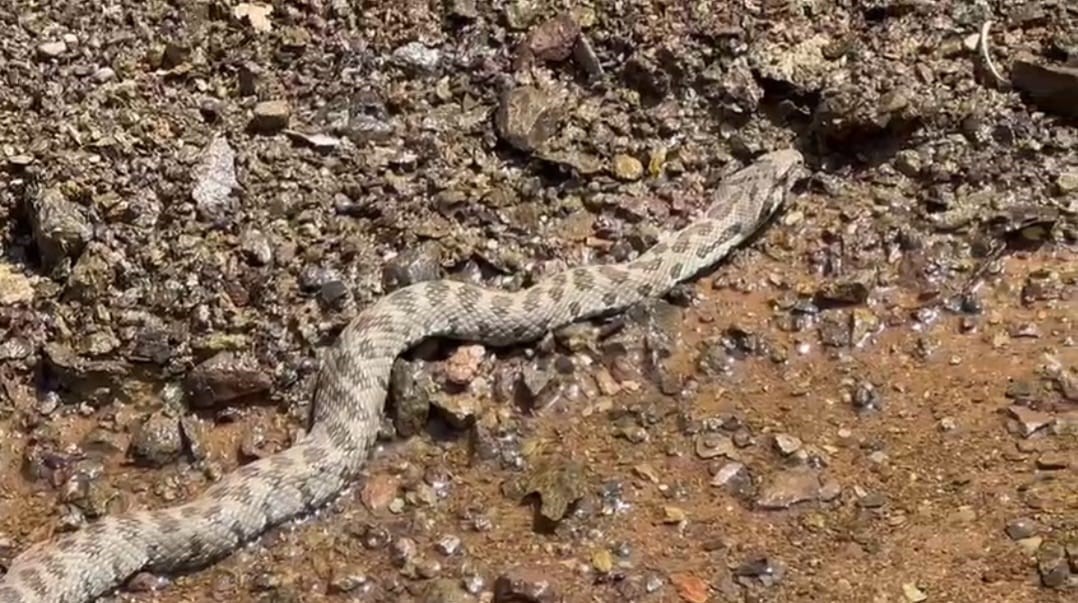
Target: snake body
<point>351,387</point>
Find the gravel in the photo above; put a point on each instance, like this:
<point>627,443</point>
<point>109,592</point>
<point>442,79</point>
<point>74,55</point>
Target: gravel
<point>194,205</point>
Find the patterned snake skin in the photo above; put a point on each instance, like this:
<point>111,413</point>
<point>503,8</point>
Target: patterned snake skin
<point>351,388</point>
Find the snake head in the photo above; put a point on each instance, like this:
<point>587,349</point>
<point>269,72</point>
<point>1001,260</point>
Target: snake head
<point>787,166</point>
<point>752,194</point>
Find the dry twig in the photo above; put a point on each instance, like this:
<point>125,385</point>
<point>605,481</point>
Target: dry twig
<point>986,56</point>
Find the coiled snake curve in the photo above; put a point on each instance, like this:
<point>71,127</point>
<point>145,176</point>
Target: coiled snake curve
<point>351,387</point>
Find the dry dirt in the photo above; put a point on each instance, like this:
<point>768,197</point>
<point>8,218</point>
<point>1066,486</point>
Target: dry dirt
<point>876,400</point>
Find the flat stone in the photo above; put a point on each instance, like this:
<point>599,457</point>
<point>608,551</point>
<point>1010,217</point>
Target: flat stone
<point>15,287</point>
<point>224,377</point>
<point>527,117</point>
<point>417,57</point>
<point>788,488</point>
<point>913,594</point>
<point>51,50</point>
<point>1052,87</point>
<point>1029,420</point>
<point>103,75</point>
<point>787,444</point>
<point>553,40</point>
<point>1052,565</point>
<point>1020,528</point>
<point>61,228</point>
<point>711,445</point>
<point>726,473</point>
<point>1053,461</point>
<point>525,584</point>
<point>215,179</point>
<point>1067,182</point>
<point>271,116</point>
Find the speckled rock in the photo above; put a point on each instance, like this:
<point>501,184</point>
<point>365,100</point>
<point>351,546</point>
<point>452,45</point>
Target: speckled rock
<point>527,117</point>
<point>157,441</point>
<point>224,377</point>
<point>525,584</point>
<point>61,228</point>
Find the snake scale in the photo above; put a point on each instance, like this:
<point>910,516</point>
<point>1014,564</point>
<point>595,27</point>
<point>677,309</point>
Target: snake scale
<point>351,387</point>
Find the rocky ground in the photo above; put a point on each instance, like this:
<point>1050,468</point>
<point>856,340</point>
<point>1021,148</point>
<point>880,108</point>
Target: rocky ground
<point>876,400</point>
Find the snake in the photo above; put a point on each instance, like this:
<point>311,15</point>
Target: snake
<point>351,387</point>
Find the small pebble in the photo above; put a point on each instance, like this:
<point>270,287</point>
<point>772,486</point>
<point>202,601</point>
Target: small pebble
<point>627,167</point>
<point>878,457</point>
<point>525,584</point>
<point>712,445</point>
<point>449,545</point>
<point>1053,461</point>
<point>51,50</point>
<point>418,57</point>
<point>912,593</point>
<point>403,551</point>
<point>463,365</point>
<point>787,444</point>
<point>1021,528</point>
<point>104,75</point>
<point>1052,565</point>
<point>271,116</point>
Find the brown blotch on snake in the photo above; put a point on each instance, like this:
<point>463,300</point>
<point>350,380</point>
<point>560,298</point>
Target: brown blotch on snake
<point>675,270</point>
<point>350,393</point>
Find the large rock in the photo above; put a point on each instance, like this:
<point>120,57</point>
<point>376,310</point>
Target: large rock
<point>15,287</point>
<point>61,228</point>
<point>1053,88</point>
<point>215,179</point>
<point>527,117</point>
<point>224,377</point>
